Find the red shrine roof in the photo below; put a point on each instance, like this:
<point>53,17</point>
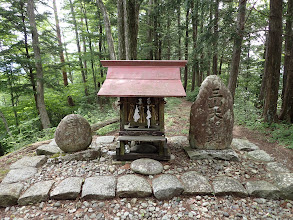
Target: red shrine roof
<point>143,78</point>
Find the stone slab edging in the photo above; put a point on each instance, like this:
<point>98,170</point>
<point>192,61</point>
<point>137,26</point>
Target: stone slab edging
<point>161,186</point>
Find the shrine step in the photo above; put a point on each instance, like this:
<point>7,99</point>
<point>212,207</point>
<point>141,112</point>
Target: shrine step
<point>142,138</point>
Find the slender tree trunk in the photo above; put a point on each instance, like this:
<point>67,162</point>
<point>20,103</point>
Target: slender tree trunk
<point>69,65</point>
<point>237,48</point>
<point>179,28</point>
<point>150,20</point>
<point>156,32</point>
<point>91,48</point>
<point>5,123</point>
<point>31,75</point>
<point>263,76</point>
<point>121,30</point>
<point>79,50</point>
<point>195,70</point>
<point>84,51</point>
<point>168,39</point>
<point>273,61</point>
<point>186,46</point>
<point>39,69</point>
<point>215,40</point>
<point>100,50</point>
<point>107,23</point>
<point>287,92</point>
<point>61,54</point>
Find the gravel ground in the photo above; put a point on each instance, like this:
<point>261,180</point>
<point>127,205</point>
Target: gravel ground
<point>185,207</point>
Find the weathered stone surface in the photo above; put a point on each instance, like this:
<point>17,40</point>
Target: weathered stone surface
<point>228,185</point>
<point>226,154</point>
<point>284,182</point>
<point>105,140</point>
<point>73,133</point>
<point>144,148</point>
<point>277,167</point>
<point>9,194</point>
<point>262,189</point>
<point>36,193</point>
<point>259,155</point>
<point>89,154</point>
<point>36,161</point>
<point>243,145</point>
<point>133,186</point>
<point>48,149</point>
<point>211,116</point>
<point>195,184</point>
<point>178,141</point>
<point>67,189</point>
<point>146,166</point>
<point>19,175</point>
<point>166,187</point>
<point>99,187</point>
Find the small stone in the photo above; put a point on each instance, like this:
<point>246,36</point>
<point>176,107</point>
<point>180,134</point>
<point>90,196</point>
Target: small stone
<point>243,145</point>
<point>48,149</point>
<point>146,166</point>
<point>225,154</point>
<point>277,167</point>
<point>36,161</point>
<point>133,186</point>
<point>19,175</point>
<point>99,187</point>
<point>284,182</point>
<point>227,185</point>
<point>195,183</point>
<point>167,186</point>
<point>9,194</point>
<point>262,189</point>
<point>68,189</point>
<point>178,141</point>
<point>104,140</point>
<point>36,193</point>
<point>259,155</point>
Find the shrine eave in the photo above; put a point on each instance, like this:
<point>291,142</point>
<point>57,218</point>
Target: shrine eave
<point>143,78</point>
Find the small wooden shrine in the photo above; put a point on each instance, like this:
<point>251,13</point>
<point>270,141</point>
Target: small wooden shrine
<point>141,86</point>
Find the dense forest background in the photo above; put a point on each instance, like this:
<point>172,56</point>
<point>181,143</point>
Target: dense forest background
<point>50,54</point>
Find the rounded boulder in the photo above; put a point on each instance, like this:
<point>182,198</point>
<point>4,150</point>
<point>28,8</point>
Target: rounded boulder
<point>73,133</point>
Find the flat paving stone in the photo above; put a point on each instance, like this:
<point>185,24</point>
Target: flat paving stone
<point>36,193</point>
<point>228,185</point>
<point>133,186</point>
<point>99,187</point>
<point>9,194</point>
<point>167,186</point>
<point>277,167</point>
<point>284,181</point>
<point>146,166</point>
<point>48,149</point>
<point>68,189</point>
<point>36,161</point>
<point>195,183</point>
<point>88,154</point>
<point>244,145</point>
<point>105,140</point>
<point>226,154</point>
<point>19,175</point>
<point>262,189</point>
<point>259,155</point>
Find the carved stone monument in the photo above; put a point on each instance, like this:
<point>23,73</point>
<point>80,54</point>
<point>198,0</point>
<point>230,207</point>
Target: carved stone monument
<point>73,133</point>
<point>211,116</point>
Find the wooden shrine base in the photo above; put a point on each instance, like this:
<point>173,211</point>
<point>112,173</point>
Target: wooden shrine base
<point>134,156</point>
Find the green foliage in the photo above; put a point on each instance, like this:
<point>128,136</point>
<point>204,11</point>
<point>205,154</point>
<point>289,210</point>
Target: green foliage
<point>191,96</point>
<point>105,130</point>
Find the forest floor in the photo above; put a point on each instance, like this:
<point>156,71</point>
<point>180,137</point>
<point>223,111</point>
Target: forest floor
<point>176,124</point>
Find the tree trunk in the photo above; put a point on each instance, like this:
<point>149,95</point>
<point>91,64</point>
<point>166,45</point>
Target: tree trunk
<point>215,40</point>
<point>156,34</point>
<point>237,47</point>
<point>263,76</point>
<point>195,70</point>
<point>39,69</point>
<point>5,123</point>
<point>79,50</point>
<point>31,75</point>
<point>61,54</point>
<point>179,28</point>
<point>168,39</point>
<point>186,46</point>
<point>108,30</point>
<point>273,61</point>
<point>121,30</point>
<point>150,20</point>
<point>287,92</point>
